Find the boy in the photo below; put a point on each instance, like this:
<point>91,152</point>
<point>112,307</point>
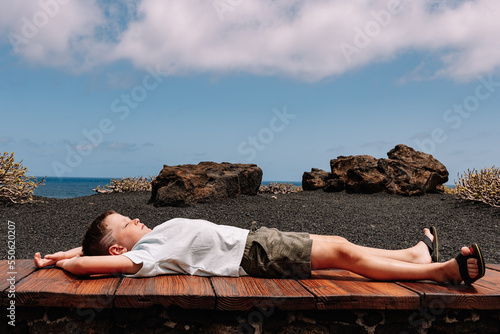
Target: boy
<point>116,243</point>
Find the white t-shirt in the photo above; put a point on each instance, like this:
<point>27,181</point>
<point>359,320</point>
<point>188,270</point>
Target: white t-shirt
<point>190,246</point>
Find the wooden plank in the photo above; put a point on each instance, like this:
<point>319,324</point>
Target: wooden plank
<point>56,287</point>
<point>341,289</point>
<point>19,270</point>
<point>493,266</point>
<point>491,279</point>
<point>484,294</point>
<point>186,291</point>
<point>328,294</point>
<point>245,293</point>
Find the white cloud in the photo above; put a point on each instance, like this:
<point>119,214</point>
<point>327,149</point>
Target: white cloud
<point>56,33</point>
<point>308,40</point>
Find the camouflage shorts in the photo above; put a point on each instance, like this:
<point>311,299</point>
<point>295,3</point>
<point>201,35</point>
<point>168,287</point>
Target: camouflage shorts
<point>274,254</point>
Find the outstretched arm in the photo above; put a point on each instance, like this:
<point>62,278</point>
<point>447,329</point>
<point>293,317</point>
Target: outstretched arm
<point>51,259</point>
<point>106,264</point>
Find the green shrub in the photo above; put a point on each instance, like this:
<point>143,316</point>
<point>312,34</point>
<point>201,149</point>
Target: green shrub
<point>482,186</point>
<point>15,185</point>
<point>279,188</point>
<point>126,184</point>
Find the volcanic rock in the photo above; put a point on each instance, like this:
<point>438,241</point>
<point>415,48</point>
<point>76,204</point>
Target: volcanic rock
<point>315,179</point>
<point>334,185</point>
<point>184,185</point>
<point>341,165</point>
<point>406,172</point>
<point>365,179</point>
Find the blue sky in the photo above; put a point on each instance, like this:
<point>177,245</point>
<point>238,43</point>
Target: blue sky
<point>116,89</point>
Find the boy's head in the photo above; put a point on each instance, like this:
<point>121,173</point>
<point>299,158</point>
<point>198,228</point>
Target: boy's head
<point>112,233</point>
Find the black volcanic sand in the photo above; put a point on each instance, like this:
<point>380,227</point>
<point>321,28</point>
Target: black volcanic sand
<point>376,220</point>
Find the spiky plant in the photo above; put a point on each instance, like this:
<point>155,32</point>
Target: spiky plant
<point>126,184</point>
<point>482,186</point>
<point>15,185</point>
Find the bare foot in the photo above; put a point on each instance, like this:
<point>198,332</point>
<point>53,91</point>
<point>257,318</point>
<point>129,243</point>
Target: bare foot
<point>428,233</point>
<point>451,271</point>
<point>472,266</point>
<point>421,252</point>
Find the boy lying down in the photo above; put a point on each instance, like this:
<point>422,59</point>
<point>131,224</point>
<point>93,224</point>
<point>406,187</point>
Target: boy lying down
<point>117,244</point>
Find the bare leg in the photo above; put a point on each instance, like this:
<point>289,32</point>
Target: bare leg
<point>416,254</point>
<point>345,255</point>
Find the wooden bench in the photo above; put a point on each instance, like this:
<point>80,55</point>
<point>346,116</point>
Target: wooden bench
<point>326,289</point>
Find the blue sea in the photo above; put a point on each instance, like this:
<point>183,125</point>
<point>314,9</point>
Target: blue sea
<point>71,187</point>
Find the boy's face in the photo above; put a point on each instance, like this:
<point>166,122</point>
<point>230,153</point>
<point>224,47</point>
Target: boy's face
<point>127,232</point>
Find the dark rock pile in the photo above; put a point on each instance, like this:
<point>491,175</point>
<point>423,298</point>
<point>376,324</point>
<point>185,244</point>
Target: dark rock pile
<point>205,182</point>
<point>406,172</point>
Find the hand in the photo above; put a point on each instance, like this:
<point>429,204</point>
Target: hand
<point>52,259</point>
<point>58,259</point>
<point>45,262</point>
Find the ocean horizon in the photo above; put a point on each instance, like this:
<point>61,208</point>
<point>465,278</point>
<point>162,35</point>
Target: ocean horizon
<point>72,187</point>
